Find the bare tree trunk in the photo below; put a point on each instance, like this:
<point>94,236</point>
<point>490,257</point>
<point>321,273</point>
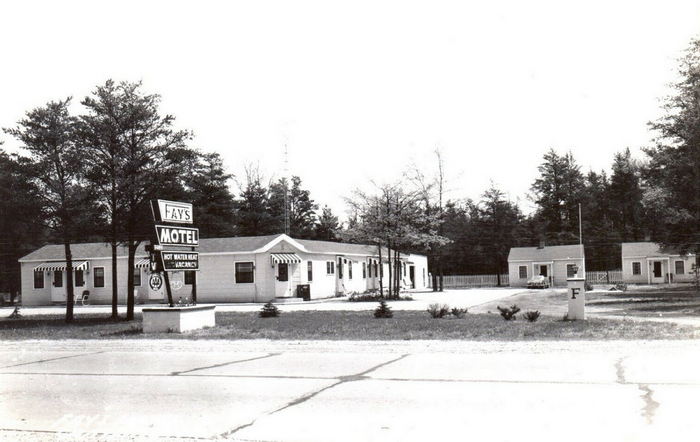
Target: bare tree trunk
<point>130,279</point>
<point>115,292</point>
<point>378,271</point>
<point>70,296</point>
<point>398,272</point>
<point>391,281</point>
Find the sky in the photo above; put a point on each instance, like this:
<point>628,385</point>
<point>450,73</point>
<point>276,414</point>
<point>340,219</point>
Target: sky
<point>358,91</point>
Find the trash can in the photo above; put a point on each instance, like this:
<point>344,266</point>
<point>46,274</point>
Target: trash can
<point>304,291</point>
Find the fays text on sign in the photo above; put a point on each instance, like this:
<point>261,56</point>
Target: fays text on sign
<point>176,261</point>
<point>177,236</point>
<point>175,212</point>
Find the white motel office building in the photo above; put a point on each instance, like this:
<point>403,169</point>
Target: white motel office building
<point>238,269</point>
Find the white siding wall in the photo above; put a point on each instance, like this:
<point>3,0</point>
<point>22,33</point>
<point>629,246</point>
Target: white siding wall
<point>514,273</point>
<point>216,278</point>
<point>558,272</point>
<point>644,262</point>
<point>98,295</point>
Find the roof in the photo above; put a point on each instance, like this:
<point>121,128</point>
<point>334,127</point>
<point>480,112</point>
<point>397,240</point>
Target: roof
<point>78,251</point>
<point>647,249</point>
<point>313,246</point>
<point>547,253</point>
<point>206,245</point>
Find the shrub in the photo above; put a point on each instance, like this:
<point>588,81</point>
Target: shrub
<point>587,287</point>
<point>532,315</point>
<point>508,313</point>
<point>458,312</point>
<point>374,296</point>
<point>438,311</point>
<point>269,310</point>
<point>383,310</point>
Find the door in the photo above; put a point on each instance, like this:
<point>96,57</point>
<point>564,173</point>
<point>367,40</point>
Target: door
<point>412,275</point>
<point>339,272</point>
<point>282,283</point>
<point>657,273</point>
<point>58,289</point>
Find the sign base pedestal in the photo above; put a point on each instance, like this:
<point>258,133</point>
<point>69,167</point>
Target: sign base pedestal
<point>177,319</point>
<point>576,291</point>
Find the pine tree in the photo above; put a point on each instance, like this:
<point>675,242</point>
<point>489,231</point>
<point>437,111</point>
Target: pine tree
<point>327,227</point>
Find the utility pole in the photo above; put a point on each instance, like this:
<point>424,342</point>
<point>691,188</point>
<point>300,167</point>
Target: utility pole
<point>286,190</point>
<point>580,239</point>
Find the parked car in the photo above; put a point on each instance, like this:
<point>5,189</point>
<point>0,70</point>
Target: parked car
<point>538,282</point>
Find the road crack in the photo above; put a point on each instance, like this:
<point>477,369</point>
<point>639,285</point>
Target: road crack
<point>300,400</point>
<point>650,405</point>
<point>238,361</point>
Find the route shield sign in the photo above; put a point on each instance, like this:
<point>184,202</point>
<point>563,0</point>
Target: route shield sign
<point>177,236</point>
<point>155,282</point>
<point>176,261</point>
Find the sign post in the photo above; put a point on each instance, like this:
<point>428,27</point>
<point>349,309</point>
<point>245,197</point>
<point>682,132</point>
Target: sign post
<point>161,260</point>
<point>576,291</point>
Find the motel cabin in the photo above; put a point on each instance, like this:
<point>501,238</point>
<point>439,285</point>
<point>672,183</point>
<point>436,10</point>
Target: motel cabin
<point>239,269</point>
<point>650,263</point>
<point>556,263</point>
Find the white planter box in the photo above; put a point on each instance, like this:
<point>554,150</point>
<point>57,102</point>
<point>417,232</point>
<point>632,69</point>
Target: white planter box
<point>177,319</point>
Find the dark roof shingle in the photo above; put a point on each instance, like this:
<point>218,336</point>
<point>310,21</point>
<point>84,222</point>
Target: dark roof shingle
<point>547,253</point>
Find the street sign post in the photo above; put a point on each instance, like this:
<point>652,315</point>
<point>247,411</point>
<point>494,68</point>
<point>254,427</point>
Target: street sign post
<point>173,212</point>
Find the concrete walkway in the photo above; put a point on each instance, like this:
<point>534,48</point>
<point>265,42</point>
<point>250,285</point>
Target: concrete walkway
<point>421,301</point>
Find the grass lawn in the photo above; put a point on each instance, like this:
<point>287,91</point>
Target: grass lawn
<point>347,325</point>
<point>678,301</point>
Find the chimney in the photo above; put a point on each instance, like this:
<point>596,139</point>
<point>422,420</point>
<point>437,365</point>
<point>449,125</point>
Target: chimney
<point>541,246</point>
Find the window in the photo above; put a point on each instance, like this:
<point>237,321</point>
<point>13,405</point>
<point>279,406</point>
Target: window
<point>403,264</point>
<point>330,267</point>
<point>98,277</point>
<point>38,279</point>
<point>245,272</point>
<point>636,268</point>
<point>364,270</point>
<point>349,269</point>
<point>283,271</point>
<point>680,268</point>
<point>340,268</point>
<point>570,272</point>
<point>310,271</point>
<point>58,278</point>
<point>79,278</point>
<point>376,269</point>
<point>137,277</point>
<point>522,272</point>
<point>370,268</point>
<point>190,277</point>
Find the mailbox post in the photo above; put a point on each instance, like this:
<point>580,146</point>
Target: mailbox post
<point>576,292</point>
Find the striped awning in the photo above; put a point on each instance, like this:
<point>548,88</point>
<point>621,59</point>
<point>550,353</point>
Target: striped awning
<point>61,265</point>
<point>142,263</point>
<point>285,258</point>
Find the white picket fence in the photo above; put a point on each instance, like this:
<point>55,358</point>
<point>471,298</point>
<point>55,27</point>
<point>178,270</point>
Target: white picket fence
<point>472,281</point>
<point>453,281</point>
<point>607,277</point>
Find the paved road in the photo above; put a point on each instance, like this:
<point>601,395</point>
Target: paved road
<point>321,391</point>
